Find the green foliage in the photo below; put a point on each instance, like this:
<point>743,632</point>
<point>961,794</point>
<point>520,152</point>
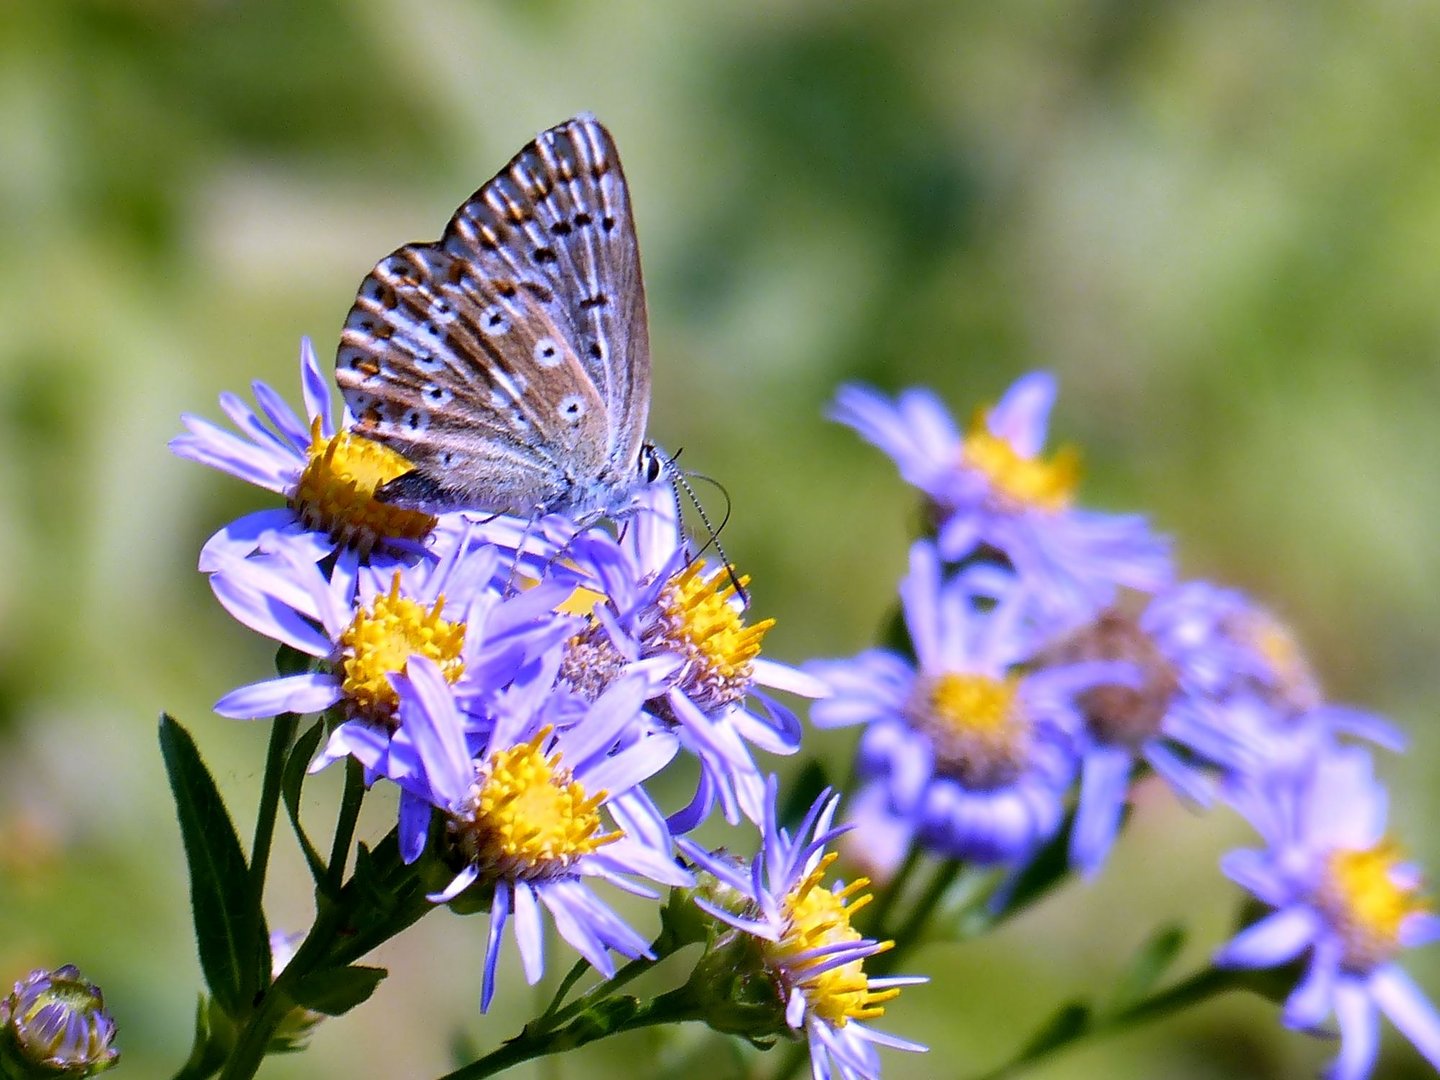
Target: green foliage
<point>233,941</point>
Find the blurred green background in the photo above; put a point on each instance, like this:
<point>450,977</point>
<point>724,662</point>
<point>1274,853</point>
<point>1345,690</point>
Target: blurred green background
<point>1218,222</point>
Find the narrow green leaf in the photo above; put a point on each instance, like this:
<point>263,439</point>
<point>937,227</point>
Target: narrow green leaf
<point>335,991</point>
<point>291,785</point>
<point>214,1036</point>
<point>219,877</point>
<point>1149,964</point>
<point>1069,1023</point>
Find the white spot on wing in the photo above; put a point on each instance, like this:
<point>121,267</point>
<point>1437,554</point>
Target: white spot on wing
<point>547,352</point>
<point>571,408</point>
<point>494,321</point>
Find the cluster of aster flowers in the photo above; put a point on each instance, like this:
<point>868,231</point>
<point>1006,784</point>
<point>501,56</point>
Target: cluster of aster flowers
<point>1050,660</point>
<point>521,684</point>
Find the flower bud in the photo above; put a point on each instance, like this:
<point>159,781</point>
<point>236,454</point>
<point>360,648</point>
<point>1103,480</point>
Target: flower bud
<point>738,992</point>
<point>54,1024</point>
<point>299,1023</point>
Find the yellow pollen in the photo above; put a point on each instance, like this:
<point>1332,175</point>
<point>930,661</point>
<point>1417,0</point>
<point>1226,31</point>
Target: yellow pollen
<point>701,621</point>
<point>336,492</point>
<point>381,638</point>
<point>815,918</point>
<point>1367,904</point>
<point>977,726</point>
<point>529,818</point>
<point>1022,482</point>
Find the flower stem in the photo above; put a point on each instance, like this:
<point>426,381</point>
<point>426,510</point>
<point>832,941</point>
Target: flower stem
<point>623,1014</point>
<point>282,736</point>
<point>1199,987</point>
<point>885,901</point>
<point>345,824</point>
<point>912,930</point>
<point>597,994</point>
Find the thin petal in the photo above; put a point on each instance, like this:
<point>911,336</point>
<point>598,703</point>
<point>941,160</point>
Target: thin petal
<point>529,933</point>
<point>1271,941</point>
<point>499,913</point>
<point>316,390</point>
<point>1409,1010</point>
<point>1359,1032</point>
<point>307,692</point>
<point>1104,781</point>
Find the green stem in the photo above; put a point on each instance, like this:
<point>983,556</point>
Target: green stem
<point>675,1007</point>
<point>571,978</point>
<point>282,736</point>
<point>345,824</point>
<point>1191,991</point>
<point>597,994</point>
<point>890,893</point>
<point>257,1030</point>
<point>912,930</point>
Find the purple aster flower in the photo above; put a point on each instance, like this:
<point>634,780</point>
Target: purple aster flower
<point>816,958</point>
<point>363,624</point>
<point>1345,903</point>
<point>991,489</point>
<point>978,752</point>
<point>1153,718</point>
<point>1227,650</point>
<point>55,1023</point>
<point>327,475</point>
<point>525,813</point>
<point>651,599</point>
<point>877,838</point>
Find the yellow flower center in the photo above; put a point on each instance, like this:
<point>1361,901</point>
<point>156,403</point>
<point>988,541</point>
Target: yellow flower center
<point>528,817</point>
<point>1020,482</point>
<point>701,621</point>
<point>381,638</point>
<point>336,492</point>
<point>1368,899</point>
<point>977,726</point>
<point>814,918</point>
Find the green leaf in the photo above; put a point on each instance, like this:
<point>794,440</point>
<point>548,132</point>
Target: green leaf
<point>214,1038</point>
<point>226,929</point>
<point>1069,1023</point>
<point>335,991</point>
<point>1148,966</point>
<point>290,787</point>
<point>291,661</point>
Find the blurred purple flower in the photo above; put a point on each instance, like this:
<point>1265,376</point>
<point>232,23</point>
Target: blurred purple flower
<point>1345,903</point>
<point>976,751</point>
<point>991,489</point>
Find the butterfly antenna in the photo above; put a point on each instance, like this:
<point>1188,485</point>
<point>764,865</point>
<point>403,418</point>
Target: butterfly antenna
<point>682,483</point>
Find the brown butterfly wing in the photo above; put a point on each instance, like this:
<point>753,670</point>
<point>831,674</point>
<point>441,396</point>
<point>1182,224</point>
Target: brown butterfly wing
<point>509,361</point>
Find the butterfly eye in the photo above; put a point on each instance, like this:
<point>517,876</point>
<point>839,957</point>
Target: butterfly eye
<point>651,465</point>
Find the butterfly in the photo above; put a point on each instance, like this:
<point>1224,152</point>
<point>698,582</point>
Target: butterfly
<point>509,361</point>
